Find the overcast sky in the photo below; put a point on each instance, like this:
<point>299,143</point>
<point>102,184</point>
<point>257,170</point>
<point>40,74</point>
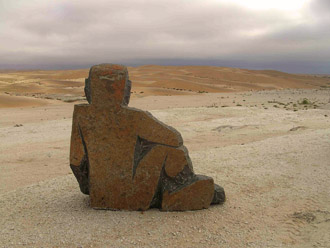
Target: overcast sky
<point>289,35</point>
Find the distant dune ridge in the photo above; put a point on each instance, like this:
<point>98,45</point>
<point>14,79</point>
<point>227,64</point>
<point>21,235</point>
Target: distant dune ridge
<point>67,85</point>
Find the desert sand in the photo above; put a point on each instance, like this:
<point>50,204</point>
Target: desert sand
<point>149,80</point>
<point>263,135</point>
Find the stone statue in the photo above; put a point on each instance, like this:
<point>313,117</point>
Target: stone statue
<point>125,158</point>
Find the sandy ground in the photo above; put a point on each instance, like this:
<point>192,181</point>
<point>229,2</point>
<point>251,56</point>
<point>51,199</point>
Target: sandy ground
<point>268,150</point>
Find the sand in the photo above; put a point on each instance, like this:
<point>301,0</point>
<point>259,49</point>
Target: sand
<point>268,150</point>
<point>148,80</point>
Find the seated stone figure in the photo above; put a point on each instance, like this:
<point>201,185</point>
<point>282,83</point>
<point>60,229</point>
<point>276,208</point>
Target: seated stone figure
<point>124,158</point>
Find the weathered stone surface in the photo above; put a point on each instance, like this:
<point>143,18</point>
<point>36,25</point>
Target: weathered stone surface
<point>197,194</point>
<point>124,158</point>
<point>219,195</point>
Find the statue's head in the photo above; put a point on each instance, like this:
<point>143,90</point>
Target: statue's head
<point>108,85</point>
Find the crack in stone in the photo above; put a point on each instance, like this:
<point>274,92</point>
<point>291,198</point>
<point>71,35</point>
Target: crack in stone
<point>111,79</point>
<point>142,147</point>
<point>180,181</point>
<point>156,201</point>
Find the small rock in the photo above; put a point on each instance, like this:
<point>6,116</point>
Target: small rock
<point>297,128</point>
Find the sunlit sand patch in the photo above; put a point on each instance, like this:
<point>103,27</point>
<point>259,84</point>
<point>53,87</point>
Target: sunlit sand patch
<point>7,101</point>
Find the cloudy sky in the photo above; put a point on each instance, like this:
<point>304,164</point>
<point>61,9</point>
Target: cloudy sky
<point>286,35</point>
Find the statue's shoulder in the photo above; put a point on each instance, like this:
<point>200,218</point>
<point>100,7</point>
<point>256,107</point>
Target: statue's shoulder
<point>80,108</point>
<point>138,112</point>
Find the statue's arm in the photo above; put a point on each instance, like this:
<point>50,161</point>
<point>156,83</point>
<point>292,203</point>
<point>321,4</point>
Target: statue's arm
<point>156,131</point>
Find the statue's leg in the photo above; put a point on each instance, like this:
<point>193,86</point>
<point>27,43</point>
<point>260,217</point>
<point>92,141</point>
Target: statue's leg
<point>182,189</point>
<point>196,194</point>
<point>146,179</point>
<point>164,178</point>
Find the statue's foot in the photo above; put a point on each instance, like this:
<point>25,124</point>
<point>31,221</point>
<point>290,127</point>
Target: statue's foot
<point>194,195</point>
<point>219,196</point>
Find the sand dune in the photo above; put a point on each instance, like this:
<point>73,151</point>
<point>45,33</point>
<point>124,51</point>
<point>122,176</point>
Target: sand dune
<point>157,80</point>
<point>7,101</point>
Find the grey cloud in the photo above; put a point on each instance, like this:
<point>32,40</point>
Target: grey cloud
<point>320,7</point>
<point>68,34</point>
